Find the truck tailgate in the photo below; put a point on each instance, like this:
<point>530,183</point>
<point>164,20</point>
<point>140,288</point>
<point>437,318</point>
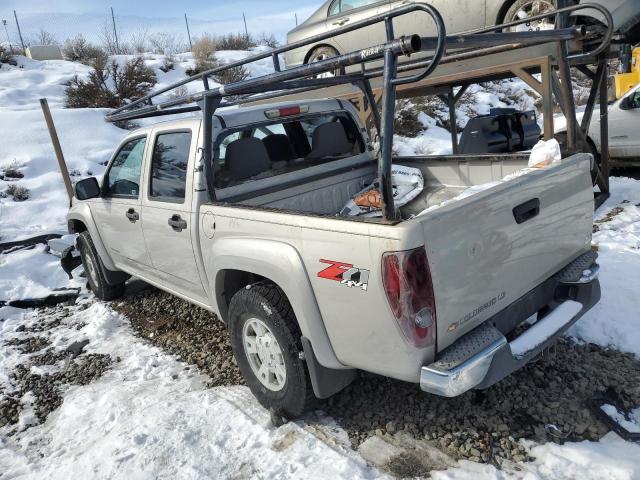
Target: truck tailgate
<point>487,250</point>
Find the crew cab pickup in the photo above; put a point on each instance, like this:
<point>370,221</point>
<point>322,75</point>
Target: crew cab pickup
<point>454,295</point>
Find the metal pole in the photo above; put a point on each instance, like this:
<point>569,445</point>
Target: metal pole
<point>296,15</point>
<point>604,126</point>
<point>115,32</point>
<point>246,30</point>
<point>4,22</point>
<point>188,32</point>
<point>386,137</point>
<point>24,50</point>
<point>57,148</point>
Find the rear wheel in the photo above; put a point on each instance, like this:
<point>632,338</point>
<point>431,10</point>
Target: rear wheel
<point>95,270</point>
<point>324,53</point>
<point>522,9</point>
<point>266,342</point>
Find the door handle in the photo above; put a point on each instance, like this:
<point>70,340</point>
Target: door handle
<point>526,211</point>
<point>341,22</point>
<point>177,223</point>
<point>132,215</point>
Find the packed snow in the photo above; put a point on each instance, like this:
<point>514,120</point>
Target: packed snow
<point>152,416</point>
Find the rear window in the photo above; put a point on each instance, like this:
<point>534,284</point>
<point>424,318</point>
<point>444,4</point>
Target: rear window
<point>282,146</point>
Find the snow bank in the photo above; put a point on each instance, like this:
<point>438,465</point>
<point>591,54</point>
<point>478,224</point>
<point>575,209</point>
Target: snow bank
<point>614,320</point>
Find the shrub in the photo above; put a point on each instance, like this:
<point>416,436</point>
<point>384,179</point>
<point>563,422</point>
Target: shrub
<point>166,44</point>
<point>167,64</point>
<point>13,172</point>
<point>19,193</point>
<point>406,122</point>
<point>78,49</point>
<point>235,41</point>
<point>268,40</point>
<point>44,38</point>
<point>232,75</point>
<point>204,54</point>
<point>138,41</point>
<point>110,85</point>
<point>5,55</point>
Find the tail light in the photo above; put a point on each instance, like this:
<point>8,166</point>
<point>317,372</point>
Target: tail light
<point>407,283</point>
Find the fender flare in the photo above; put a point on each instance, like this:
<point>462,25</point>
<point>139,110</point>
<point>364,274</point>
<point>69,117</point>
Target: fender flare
<point>82,213</point>
<point>282,264</point>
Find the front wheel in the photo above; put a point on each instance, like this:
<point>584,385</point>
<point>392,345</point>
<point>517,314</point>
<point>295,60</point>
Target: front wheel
<point>266,343</point>
<point>522,9</point>
<point>95,270</point>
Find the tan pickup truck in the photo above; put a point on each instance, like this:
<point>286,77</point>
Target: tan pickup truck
<point>452,298</point>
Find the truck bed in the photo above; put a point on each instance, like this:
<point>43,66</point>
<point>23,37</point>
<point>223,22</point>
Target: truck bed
<point>326,191</point>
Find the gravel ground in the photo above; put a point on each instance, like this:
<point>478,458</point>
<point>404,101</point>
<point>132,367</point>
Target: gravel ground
<point>45,388</point>
<point>480,426</point>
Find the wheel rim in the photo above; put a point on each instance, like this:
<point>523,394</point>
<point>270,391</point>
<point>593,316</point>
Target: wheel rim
<point>531,9</point>
<point>91,268</point>
<point>264,354</point>
<point>319,57</point>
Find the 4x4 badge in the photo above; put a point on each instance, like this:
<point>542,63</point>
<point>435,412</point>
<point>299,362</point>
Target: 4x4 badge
<point>345,273</point>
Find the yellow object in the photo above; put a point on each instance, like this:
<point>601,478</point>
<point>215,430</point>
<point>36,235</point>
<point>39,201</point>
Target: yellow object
<point>626,81</point>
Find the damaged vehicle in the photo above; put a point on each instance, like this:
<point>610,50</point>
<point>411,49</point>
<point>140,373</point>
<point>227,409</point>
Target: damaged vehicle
<point>323,254</point>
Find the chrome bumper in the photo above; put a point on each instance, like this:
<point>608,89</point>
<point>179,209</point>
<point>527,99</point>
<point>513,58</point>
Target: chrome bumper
<point>456,374</point>
<point>468,375</point>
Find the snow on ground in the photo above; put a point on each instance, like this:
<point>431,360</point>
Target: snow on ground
<point>615,321</point>
<point>151,416</point>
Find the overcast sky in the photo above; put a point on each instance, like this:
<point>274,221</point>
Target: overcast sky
<point>67,18</point>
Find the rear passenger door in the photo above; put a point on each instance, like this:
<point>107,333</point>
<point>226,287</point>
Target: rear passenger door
<point>166,210</point>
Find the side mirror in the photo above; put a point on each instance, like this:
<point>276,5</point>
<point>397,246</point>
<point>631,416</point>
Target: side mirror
<point>87,188</point>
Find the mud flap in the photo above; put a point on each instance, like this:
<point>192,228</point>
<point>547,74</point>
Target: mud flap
<point>325,381</point>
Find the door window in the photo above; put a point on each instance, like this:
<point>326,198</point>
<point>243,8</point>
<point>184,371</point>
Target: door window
<point>123,177</point>
<point>169,166</point>
<point>343,6</point>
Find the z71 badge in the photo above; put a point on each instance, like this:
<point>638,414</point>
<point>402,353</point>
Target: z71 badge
<point>345,273</point>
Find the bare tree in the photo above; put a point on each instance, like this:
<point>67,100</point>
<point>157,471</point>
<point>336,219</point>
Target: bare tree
<point>268,40</point>
<point>43,37</point>
<point>167,44</point>
<point>139,41</point>
<point>108,39</point>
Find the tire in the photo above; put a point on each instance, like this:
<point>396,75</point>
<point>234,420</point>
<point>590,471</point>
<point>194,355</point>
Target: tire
<point>520,8</point>
<point>263,303</point>
<point>95,270</point>
<point>322,53</point>
<point>589,147</point>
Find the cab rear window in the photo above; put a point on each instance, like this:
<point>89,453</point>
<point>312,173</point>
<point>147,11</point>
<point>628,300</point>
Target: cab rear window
<point>282,146</point>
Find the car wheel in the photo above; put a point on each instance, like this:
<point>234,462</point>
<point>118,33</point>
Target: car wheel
<point>522,9</point>
<point>95,270</point>
<point>587,147</point>
<point>323,53</point>
<point>266,342</point>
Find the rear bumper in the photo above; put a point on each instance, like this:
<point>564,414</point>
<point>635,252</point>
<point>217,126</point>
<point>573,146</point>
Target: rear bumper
<point>485,356</point>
